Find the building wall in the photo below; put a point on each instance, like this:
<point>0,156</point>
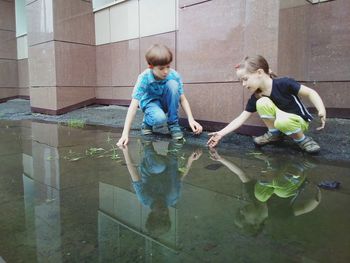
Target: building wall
<point>314,47</point>
<point>8,53</point>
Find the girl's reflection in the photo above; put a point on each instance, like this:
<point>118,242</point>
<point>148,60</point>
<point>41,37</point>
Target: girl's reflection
<point>157,181</point>
<point>283,178</point>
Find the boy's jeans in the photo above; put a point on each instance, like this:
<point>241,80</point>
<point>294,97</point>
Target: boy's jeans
<point>155,111</point>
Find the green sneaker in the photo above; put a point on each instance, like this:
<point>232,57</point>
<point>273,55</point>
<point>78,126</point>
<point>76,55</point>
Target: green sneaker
<point>146,129</point>
<point>175,131</point>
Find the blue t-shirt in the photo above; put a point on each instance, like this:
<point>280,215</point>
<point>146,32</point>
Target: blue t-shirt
<point>148,89</point>
<point>285,96</point>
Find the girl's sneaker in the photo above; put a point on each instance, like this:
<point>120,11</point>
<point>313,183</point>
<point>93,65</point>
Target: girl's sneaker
<point>268,138</point>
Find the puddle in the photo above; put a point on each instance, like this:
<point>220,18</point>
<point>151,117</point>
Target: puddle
<point>69,195</point>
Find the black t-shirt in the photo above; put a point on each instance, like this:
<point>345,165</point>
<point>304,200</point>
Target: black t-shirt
<point>285,96</point>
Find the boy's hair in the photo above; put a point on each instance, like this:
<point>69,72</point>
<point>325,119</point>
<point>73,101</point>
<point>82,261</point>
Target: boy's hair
<point>158,55</point>
<point>252,64</point>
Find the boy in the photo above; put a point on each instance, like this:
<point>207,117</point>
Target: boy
<point>159,91</point>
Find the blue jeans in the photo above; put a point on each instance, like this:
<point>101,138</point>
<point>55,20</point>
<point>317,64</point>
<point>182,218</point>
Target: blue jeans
<point>156,111</point>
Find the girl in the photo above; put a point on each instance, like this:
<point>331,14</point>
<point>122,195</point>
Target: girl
<point>277,102</point>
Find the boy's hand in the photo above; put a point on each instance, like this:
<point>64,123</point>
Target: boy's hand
<point>196,127</point>
<point>123,141</point>
<point>214,139</point>
<point>322,116</point>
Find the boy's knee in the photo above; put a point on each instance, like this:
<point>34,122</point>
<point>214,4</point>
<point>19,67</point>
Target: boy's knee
<point>173,86</point>
<point>159,118</point>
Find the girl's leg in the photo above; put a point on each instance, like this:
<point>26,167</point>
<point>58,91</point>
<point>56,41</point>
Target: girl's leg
<point>267,112</point>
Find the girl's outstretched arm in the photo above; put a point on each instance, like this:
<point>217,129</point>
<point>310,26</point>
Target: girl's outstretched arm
<point>233,125</point>
<point>316,100</point>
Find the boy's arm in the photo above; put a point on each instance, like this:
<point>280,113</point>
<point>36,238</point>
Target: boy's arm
<point>131,167</point>
<point>233,125</point>
<point>316,100</point>
<point>195,126</point>
<point>128,120</point>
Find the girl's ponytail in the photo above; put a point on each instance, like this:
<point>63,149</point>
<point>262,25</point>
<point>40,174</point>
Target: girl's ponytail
<point>272,74</point>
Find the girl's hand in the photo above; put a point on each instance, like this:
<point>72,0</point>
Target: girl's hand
<point>322,116</point>
<point>123,141</point>
<point>214,155</point>
<point>214,139</point>
<point>196,127</point>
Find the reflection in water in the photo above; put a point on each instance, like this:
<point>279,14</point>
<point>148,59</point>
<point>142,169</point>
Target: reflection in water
<point>66,196</point>
<point>157,181</point>
<point>283,178</point>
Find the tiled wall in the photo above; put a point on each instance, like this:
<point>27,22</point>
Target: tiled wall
<point>207,38</point>
<point>314,46</point>
<point>62,55</point>
<point>8,52</point>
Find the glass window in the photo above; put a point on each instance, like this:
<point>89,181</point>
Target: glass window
<point>21,18</point>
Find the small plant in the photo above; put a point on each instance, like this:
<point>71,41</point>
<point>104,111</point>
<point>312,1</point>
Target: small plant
<point>76,123</point>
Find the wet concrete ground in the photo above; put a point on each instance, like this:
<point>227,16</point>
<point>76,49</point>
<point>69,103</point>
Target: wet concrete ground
<point>334,139</point>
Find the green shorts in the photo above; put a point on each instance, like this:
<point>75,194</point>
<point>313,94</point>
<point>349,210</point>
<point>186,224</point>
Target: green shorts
<point>288,123</point>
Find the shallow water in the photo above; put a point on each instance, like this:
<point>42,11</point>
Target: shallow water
<point>68,195</point>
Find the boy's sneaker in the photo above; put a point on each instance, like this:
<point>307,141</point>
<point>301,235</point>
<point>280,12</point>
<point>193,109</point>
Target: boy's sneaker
<point>175,131</point>
<point>146,129</point>
<point>267,138</point>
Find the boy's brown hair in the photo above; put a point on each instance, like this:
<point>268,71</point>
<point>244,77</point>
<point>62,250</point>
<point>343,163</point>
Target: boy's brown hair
<point>158,55</point>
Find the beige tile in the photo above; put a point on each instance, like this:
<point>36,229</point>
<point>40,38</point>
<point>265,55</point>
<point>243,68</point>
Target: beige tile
<point>219,102</point>
<point>39,22</point>
<point>157,16</point>
<point>208,46</point>
<point>125,62</point>
<point>102,27</point>
<point>22,47</point>
<point>68,96</point>
<point>42,68</point>
<point>8,73</point>
<point>122,93</point>
<point>8,44</point>
<point>43,97</point>
<point>23,91</point>
<point>74,21</point>
<point>104,65</point>
<point>23,74</point>
<point>104,92</point>
<point>124,21</point>
<point>167,39</point>
<point>7,16</point>
<point>75,64</point>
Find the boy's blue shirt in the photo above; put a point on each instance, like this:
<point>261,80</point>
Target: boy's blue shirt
<point>147,88</point>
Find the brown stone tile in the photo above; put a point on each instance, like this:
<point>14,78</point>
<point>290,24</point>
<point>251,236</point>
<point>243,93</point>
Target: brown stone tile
<point>167,39</point>
<point>75,64</point>
<point>7,16</point>
<point>125,62</point>
<point>74,21</point>
<point>67,96</point>
<point>333,94</point>
<point>219,102</point>
<point>8,73</point>
<point>42,68</point>
<point>104,65</point>
<point>39,22</point>
<point>23,74</point>
<point>208,46</point>
<point>43,97</point>
<point>8,44</point>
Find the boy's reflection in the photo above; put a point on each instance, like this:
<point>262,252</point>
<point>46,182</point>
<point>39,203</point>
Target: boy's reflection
<point>157,181</point>
<point>285,179</point>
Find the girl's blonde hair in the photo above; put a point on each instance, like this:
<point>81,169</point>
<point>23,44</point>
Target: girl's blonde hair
<point>252,64</point>
<point>158,55</point>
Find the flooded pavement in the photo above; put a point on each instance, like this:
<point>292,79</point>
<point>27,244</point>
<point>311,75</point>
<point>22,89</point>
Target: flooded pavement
<point>69,195</point>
